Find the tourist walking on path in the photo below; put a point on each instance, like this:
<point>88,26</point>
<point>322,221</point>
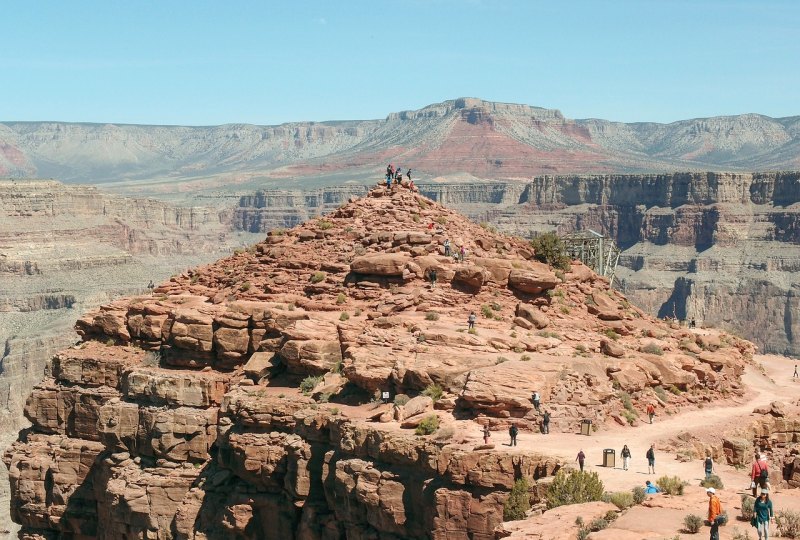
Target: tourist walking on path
<point>546,423</point>
<point>709,466</point>
<point>762,514</point>
<point>714,513</point>
<point>513,431</point>
<point>651,459</point>
<point>471,320</point>
<point>651,412</point>
<point>537,400</point>
<point>580,459</point>
<point>626,457</point>
<point>486,434</point>
<point>759,473</point>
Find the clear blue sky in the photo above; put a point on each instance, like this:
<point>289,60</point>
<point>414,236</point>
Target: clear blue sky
<point>267,62</point>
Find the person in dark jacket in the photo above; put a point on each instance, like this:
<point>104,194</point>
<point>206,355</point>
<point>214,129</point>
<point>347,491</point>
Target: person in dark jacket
<point>580,459</point>
<point>626,457</point>
<point>513,431</point>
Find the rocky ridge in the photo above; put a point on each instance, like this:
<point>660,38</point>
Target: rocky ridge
<point>179,414</point>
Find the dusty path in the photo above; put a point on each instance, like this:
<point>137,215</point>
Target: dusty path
<point>761,391</point>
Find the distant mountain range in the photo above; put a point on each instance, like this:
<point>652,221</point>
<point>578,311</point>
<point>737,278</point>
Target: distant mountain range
<point>463,136</point>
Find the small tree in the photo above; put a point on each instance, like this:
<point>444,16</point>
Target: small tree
<point>573,488</point>
<point>548,248</point>
<point>518,502</point>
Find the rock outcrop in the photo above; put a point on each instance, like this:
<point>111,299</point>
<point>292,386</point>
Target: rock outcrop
<point>244,398</point>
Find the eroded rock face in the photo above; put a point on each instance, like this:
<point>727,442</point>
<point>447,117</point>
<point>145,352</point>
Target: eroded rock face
<point>237,400</point>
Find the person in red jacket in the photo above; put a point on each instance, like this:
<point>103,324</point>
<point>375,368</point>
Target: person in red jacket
<point>759,473</point>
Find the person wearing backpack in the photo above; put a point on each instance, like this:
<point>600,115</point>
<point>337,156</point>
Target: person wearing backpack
<point>513,431</point>
<point>759,474</point>
<point>715,517</point>
<point>709,466</point>
<point>651,459</point>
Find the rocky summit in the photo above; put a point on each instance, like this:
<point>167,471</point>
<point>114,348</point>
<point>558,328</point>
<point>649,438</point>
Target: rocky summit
<point>245,399</point>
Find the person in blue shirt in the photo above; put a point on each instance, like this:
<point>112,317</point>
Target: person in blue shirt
<point>651,488</point>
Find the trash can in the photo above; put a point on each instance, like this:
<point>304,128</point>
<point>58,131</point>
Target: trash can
<point>609,460</point>
<point>586,427</point>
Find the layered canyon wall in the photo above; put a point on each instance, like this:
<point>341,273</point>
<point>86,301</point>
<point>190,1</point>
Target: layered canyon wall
<point>65,249</point>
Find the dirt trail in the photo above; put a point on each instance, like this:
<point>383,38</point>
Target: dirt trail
<point>761,391</point>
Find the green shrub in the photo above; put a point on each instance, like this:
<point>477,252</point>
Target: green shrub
<point>344,316</point>
<point>748,503</point>
<point>316,277</point>
<point>712,481</point>
<point>692,523</point>
<point>309,383</point>
<point>428,425</point>
<point>598,524</point>
<point>788,522</point>
<point>518,502</point>
<point>574,487</point>
<point>401,399</point>
<point>611,334</point>
<point>671,485</point>
<point>486,311</point>
<point>431,316</point>
<point>652,348</point>
<point>639,495</point>
<point>341,298</point>
<point>324,224</point>
<point>548,248</point>
<point>433,391</point>
<point>621,499</point>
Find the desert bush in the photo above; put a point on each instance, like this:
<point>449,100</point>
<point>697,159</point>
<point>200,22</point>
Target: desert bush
<point>671,485</point>
<point>747,507</point>
<point>692,523</point>
<point>433,391</point>
<point>548,248</point>
<point>611,334</point>
<point>151,359</point>
<point>431,316</point>
<point>574,487</point>
<point>324,224</point>
<point>598,524</point>
<point>309,383</point>
<point>652,348</point>
<point>739,535</point>
<point>788,522</point>
<point>428,425</point>
<point>621,499</point>
<point>712,481</point>
<point>341,298</point>
<point>518,502</point>
<point>639,495</point>
<point>401,399</point>
<point>316,277</point>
